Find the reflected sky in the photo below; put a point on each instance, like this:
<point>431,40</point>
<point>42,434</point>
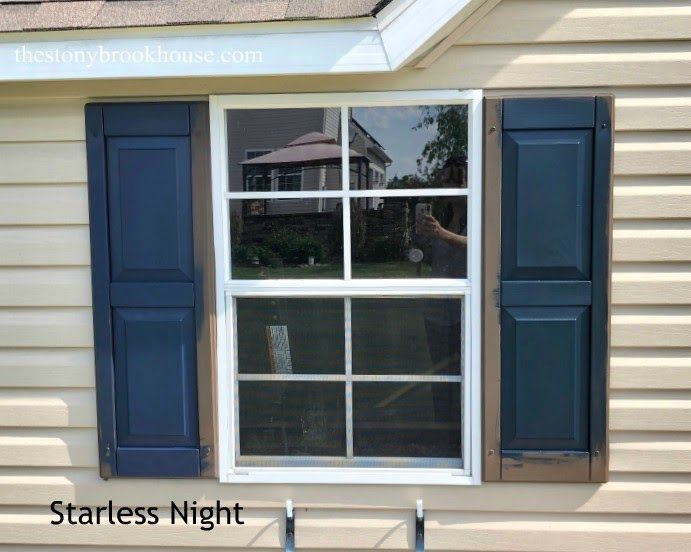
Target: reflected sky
<point>392,128</point>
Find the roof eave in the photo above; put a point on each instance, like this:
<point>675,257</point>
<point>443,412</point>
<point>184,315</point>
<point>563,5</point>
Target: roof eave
<point>396,35</point>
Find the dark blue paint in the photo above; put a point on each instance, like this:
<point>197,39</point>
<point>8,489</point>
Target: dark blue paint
<point>542,292</point>
<point>602,205</point>
<point>147,119</point>
<point>151,462</point>
<point>152,294</point>
<point>545,365</point>
<point>555,261</point>
<point>150,204</point>
<point>541,113</point>
<point>144,288</point>
<point>155,377</point>
<point>100,284</point>
<point>546,206</point>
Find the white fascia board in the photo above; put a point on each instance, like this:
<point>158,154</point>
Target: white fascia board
<point>298,51</point>
<point>406,26</point>
<point>367,45</point>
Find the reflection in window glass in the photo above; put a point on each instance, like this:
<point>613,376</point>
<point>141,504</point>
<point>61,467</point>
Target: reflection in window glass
<point>277,419</point>
<point>407,419</point>
<point>409,237</point>
<point>290,336</point>
<point>421,336</point>
<point>286,238</point>
<point>356,375</point>
<point>409,146</point>
<point>284,150</point>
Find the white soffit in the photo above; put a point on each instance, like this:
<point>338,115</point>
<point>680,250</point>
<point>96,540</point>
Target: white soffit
<point>398,34</point>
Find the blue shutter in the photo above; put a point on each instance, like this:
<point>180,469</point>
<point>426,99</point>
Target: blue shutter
<point>140,194</point>
<point>554,287</point>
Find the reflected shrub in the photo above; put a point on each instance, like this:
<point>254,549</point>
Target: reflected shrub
<point>295,248</point>
<point>250,255</point>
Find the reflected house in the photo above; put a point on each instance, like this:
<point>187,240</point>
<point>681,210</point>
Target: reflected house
<point>284,150</point>
<point>371,176</point>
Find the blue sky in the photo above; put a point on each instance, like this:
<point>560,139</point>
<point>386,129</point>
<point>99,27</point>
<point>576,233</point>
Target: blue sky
<point>392,127</point>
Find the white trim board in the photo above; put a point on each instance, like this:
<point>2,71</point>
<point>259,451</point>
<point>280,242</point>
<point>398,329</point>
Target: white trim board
<point>398,34</point>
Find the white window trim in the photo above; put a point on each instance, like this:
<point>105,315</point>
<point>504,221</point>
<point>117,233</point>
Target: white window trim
<point>470,288</point>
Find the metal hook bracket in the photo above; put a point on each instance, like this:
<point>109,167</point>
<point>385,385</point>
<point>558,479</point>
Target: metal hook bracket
<point>419,527</point>
<point>290,527</point>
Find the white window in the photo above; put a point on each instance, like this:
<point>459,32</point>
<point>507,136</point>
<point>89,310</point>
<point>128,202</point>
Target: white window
<point>349,329</point>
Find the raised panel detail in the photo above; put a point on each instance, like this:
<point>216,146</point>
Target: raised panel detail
<point>547,207</point>
<point>545,378</point>
<point>150,201</point>
<point>155,376</point>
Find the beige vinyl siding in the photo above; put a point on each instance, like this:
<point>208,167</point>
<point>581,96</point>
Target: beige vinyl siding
<point>48,440</point>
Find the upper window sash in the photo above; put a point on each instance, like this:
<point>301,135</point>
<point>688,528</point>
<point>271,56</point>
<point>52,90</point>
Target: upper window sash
<point>221,104</point>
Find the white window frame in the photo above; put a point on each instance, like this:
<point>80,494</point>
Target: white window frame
<point>469,288</point>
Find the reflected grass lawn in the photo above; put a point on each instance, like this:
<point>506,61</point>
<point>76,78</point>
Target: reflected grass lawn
<point>399,269</point>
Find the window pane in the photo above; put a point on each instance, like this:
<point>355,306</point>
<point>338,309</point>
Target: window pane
<point>290,336</point>
<point>284,150</point>
<point>286,238</point>
<point>407,419</point>
<point>407,336</point>
<point>292,418</point>
<point>411,147</point>
<point>409,237</point>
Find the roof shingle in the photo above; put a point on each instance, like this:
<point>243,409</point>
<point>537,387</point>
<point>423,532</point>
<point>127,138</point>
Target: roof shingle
<point>34,15</point>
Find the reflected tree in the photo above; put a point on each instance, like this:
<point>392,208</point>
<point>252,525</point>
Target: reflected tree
<point>450,140</point>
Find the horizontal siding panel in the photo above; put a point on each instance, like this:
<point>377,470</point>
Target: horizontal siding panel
<point>657,457</point>
<point>47,408</point>
<point>39,486</point>
<point>57,327</point>
<point>519,21</point>
<point>650,415</point>
<point>653,288</point>
<point>46,368</point>
<point>25,204</point>
<point>262,529</point>
<point>44,245</point>
<point>641,153</point>
<point>49,447</point>
<point>367,530</point>
<point>651,328</point>
<point>650,369</point>
<point>653,110</point>
<point>649,244</point>
<point>652,202</point>
<point>54,120</point>
<point>42,162</point>
<point>563,65</point>
<point>478,532</point>
<point>47,287</point>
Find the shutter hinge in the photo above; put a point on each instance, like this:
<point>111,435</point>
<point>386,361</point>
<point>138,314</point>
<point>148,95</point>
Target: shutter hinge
<point>496,292</point>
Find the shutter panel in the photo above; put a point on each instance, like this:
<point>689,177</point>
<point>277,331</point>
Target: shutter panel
<point>553,288</point>
<point>141,202</point>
